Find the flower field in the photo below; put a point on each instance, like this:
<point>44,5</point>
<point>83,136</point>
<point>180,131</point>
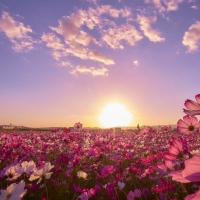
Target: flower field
<point>147,163</point>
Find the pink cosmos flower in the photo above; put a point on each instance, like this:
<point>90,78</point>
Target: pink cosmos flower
<point>13,191</point>
<point>107,170</point>
<point>195,196</point>
<point>174,150</point>
<point>193,107</point>
<point>165,128</point>
<point>131,195</point>
<point>188,125</point>
<point>191,173</point>
<point>78,125</point>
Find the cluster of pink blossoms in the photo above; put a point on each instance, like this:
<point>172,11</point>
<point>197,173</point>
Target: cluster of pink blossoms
<point>189,125</point>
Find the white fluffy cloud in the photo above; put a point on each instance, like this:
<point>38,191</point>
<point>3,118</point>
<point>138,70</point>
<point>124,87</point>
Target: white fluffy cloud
<point>114,36</point>
<point>191,37</point>
<point>165,5</point>
<point>90,70</point>
<point>158,5</point>
<point>149,32</point>
<point>172,4</point>
<point>17,33</point>
<point>95,55</point>
<point>55,44</point>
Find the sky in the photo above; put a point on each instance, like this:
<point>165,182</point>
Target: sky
<point>63,61</point>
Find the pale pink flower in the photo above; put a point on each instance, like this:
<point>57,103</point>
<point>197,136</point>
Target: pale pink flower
<point>188,125</point>
<point>131,196</point>
<point>191,173</point>
<point>83,196</point>
<point>28,166</point>
<point>193,107</point>
<point>12,174</point>
<point>121,185</point>
<point>174,150</point>
<point>42,173</point>
<point>13,191</point>
<point>195,196</point>
<point>137,193</point>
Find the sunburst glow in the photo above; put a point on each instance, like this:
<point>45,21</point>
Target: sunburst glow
<point>115,114</point>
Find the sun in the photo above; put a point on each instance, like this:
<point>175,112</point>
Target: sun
<point>115,114</point>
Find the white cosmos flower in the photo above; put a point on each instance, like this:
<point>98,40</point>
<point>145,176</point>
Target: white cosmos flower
<point>12,174</point>
<point>13,191</point>
<point>82,174</point>
<point>28,166</point>
<point>42,173</point>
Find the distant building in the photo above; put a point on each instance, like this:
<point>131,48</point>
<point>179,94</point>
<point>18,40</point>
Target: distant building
<point>8,127</point>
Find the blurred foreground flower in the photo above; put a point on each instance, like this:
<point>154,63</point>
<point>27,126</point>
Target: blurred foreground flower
<point>42,173</point>
<point>188,125</point>
<point>193,107</point>
<point>191,173</point>
<point>13,191</point>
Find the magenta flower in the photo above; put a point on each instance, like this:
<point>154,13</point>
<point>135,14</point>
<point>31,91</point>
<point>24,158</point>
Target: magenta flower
<point>107,170</point>
<point>188,125</point>
<point>193,107</point>
<point>131,195</point>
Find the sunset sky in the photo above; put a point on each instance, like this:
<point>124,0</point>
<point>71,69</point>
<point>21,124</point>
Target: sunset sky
<point>63,61</point>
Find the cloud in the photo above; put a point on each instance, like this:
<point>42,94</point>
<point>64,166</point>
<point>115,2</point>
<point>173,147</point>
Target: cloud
<point>92,1</point>
<point>114,36</point>
<point>65,64</point>
<point>135,62</point>
<point>55,44</point>
<point>194,7</point>
<point>17,33</point>
<point>165,5</point>
<point>157,4</point>
<point>149,32</point>
<point>172,4</point>
<point>95,55</point>
<point>91,70</point>
<point>191,37</point>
